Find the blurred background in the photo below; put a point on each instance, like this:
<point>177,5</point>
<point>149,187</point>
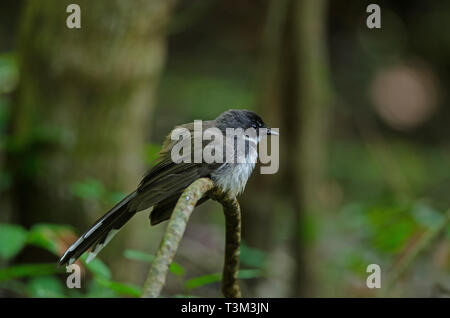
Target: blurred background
<point>364,148</point>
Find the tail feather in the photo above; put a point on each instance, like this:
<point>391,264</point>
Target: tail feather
<point>107,236</point>
<point>101,232</point>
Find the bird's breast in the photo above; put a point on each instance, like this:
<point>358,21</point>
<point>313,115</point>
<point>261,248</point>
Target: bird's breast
<point>232,177</point>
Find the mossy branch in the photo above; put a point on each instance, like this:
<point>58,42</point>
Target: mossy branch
<point>156,276</point>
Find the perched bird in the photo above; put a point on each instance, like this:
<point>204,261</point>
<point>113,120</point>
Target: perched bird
<point>163,184</point>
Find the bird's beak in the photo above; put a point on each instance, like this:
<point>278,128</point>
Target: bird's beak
<point>272,132</point>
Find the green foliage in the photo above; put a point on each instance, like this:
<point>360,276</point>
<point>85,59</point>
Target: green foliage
<point>120,288</point>
<point>174,268</point>
<point>42,279</point>
<point>252,257</point>
<point>43,282</point>
<point>27,270</point>
<point>381,232</point>
<point>45,287</point>
<point>93,190</point>
<point>97,290</point>
<point>46,236</point>
<point>357,262</point>
<point>97,267</point>
<point>217,277</point>
<point>386,203</point>
<point>202,280</point>
<point>393,226</point>
<point>13,238</point>
<point>88,189</point>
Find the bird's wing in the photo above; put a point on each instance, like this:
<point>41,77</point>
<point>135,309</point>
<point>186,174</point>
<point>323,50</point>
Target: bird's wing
<point>160,188</point>
<point>167,179</point>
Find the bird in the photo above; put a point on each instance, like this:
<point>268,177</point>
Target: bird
<point>162,185</point>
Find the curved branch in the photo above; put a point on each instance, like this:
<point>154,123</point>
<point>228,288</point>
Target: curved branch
<point>232,211</point>
<point>156,276</point>
<point>175,229</point>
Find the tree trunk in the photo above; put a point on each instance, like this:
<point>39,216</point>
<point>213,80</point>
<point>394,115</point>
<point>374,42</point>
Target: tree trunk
<point>309,147</point>
<point>259,200</point>
<point>294,96</point>
<point>84,104</point>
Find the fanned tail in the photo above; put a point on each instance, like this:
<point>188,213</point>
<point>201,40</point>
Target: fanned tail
<point>101,233</point>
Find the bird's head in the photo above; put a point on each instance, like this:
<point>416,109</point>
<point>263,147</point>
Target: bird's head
<point>241,118</point>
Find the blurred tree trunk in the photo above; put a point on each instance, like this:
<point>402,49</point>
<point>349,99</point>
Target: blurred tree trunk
<point>84,104</point>
<point>258,203</point>
<point>294,95</point>
<point>309,131</point>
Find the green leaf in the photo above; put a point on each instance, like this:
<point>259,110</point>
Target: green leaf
<point>217,277</point>
<point>120,288</point>
<point>139,256</point>
<point>392,226</point>
<point>203,280</point>
<point>27,270</point>
<point>45,287</point>
<point>12,238</point>
<point>46,236</point>
<point>95,290</point>
<point>97,267</point>
<point>174,268</point>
